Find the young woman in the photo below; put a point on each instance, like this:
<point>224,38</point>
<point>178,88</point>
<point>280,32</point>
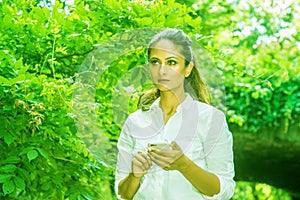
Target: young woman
<point>179,148</point>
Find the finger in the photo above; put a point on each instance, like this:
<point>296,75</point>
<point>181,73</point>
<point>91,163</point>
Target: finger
<point>148,159</point>
<point>141,162</point>
<point>144,159</point>
<point>161,163</point>
<point>175,146</point>
<point>138,165</point>
<point>165,155</point>
<point>157,155</point>
<point>145,155</point>
<point>160,151</point>
<point>159,160</point>
<point>148,162</point>
<point>140,157</point>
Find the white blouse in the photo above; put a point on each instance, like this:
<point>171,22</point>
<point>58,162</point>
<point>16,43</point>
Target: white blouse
<point>202,133</point>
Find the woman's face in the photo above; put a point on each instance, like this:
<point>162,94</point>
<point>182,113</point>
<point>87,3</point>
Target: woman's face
<point>167,66</point>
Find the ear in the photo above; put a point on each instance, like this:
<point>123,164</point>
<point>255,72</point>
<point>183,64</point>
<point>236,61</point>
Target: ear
<point>188,69</point>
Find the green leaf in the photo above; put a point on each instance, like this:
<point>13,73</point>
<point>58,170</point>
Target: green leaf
<point>145,21</point>
<point>5,177</point>
<point>7,108</point>
<point>19,65</point>
<point>46,186</point>
<point>8,187</point>
<point>23,70</point>
<point>4,80</point>
<point>8,139</point>
<point>13,159</point>
<point>20,78</point>
<point>8,168</point>
<point>32,154</point>
<point>25,150</point>
<point>20,183</point>
<point>43,153</point>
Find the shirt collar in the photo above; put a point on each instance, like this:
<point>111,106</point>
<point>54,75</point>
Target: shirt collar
<point>184,105</point>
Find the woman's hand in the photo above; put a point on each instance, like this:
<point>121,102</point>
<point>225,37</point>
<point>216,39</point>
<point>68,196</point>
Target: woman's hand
<point>173,159</point>
<point>141,163</point>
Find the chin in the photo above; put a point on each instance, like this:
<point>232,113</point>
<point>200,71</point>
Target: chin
<point>164,88</point>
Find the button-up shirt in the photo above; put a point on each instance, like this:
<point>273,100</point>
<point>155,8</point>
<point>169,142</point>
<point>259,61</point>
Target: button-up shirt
<point>202,133</point>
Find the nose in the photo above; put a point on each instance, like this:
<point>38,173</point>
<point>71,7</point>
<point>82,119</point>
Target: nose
<point>162,69</point>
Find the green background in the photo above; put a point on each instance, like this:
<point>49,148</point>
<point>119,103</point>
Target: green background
<point>43,46</point>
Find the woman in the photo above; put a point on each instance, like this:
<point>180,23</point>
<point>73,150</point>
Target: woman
<point>179,148</point>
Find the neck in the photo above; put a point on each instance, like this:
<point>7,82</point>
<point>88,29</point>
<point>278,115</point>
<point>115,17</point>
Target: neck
<point>169,100</point>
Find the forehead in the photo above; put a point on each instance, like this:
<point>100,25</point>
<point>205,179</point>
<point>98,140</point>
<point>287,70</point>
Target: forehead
<point>166,47</point>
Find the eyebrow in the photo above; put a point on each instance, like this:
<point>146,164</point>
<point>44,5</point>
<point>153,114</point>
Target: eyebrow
<point>168,58</point>
<point>171,57</point>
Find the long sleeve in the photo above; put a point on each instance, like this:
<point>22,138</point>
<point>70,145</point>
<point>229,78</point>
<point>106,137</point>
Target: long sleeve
<point>125,148</point>
<point>219,154</point>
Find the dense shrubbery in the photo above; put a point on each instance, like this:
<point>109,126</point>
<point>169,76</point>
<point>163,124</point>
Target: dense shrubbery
<point>42,49</point>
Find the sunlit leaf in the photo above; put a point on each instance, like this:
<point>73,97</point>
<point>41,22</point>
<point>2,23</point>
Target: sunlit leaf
<point>8,187</point>
<point>32,154</point>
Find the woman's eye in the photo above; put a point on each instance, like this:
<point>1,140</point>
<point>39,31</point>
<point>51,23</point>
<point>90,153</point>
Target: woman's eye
<point>171,62</point>
<point>154,62</point>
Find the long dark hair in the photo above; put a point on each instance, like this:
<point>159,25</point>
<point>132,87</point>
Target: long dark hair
<point>193,84</point>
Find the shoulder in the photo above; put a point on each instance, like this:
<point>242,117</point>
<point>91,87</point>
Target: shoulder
<point>208,110</point>
<point>139,117</point>
<point>136,114</point>
<point>210,117</point>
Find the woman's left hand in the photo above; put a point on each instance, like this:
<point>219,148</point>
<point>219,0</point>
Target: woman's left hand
<point>167,159</point>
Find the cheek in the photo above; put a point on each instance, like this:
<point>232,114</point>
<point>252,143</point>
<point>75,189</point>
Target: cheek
<point>177,73</point>
<point>153,74</point>
<point>153,71</point>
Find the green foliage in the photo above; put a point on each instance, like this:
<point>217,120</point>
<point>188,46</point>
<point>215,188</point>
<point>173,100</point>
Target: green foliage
<point>261,67</point>
<point>258,191</point>
<point>43,47</point>
<point>41,155</point>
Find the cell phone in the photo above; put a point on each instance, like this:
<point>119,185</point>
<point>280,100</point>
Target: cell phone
<point>161,145</point>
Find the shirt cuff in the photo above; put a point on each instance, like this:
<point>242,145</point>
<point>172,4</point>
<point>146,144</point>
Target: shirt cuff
<point>226,190</point>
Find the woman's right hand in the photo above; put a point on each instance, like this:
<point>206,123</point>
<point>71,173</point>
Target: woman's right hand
<point>141,163</point>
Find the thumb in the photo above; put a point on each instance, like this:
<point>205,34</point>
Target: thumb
<point>175,146</point>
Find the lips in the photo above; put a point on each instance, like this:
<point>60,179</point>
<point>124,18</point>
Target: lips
<point>163,80</point>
